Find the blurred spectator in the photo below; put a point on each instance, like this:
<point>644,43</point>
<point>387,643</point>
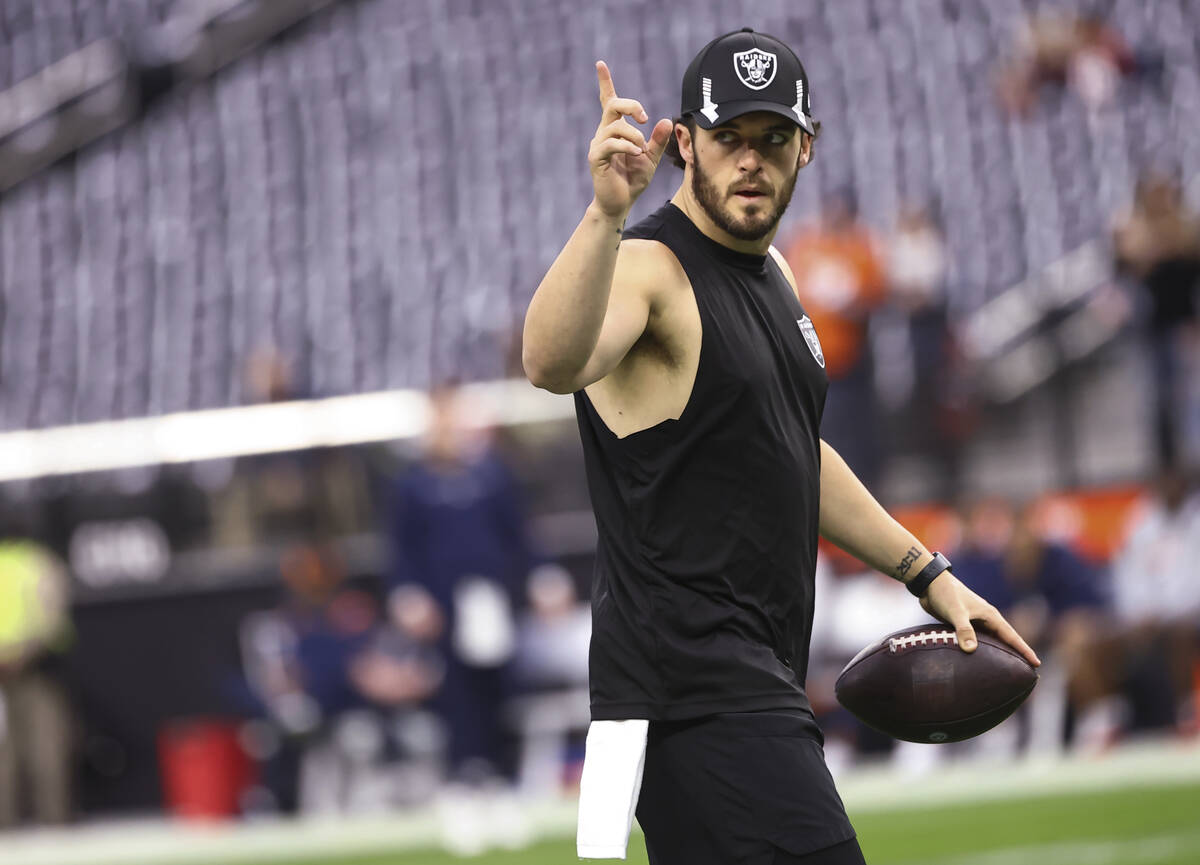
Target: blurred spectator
<point>36,754</point>
<point>1158,245</point>
<point>320,654</point>
<point>1061,49</point>
<point>840,281</point>
<point>1157,594</point>
<point>461,557</point>
<point>286,496</point>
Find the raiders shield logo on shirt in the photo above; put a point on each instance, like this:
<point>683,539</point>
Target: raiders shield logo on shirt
<point>810,337</point>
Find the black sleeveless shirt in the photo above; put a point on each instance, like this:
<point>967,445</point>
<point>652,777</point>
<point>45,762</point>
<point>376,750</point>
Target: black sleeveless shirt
<point>702,597</point>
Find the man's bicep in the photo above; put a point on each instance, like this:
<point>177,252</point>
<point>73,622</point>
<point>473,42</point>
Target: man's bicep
<point>625,321</point>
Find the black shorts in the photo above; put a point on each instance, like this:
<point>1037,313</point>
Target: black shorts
<point>750,788</point>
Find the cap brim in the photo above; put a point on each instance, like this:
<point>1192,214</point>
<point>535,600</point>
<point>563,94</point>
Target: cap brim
<point>730,110</point>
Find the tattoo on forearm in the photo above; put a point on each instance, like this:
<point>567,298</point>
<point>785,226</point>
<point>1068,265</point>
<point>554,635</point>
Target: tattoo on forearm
<point>619,232</point>
<point>907,562</point>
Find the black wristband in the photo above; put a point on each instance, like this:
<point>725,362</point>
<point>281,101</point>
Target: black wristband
<point>919,584</point>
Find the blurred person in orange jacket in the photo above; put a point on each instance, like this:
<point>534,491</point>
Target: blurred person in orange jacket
<point>840,282</point>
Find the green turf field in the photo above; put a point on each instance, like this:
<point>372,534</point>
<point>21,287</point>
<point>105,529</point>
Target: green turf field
<point>1130,826</point>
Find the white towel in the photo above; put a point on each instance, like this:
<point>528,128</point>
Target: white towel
<point>608,790</point>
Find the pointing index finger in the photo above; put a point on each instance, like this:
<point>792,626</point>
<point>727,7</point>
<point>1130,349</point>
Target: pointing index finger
<point>604,76</point>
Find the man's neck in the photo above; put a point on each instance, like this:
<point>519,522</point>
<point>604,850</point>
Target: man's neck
<point>686,201</point>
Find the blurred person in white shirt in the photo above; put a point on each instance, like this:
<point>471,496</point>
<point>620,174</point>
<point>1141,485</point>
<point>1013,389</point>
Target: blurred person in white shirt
<point>1156,588</point>
<point>1155,576</point>
<point>1141,663</point>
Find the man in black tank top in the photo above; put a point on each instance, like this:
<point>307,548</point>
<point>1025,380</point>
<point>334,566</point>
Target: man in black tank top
<point>699,383</point>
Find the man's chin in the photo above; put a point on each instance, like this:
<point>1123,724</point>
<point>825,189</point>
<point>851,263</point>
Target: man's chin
<point>754,227</point>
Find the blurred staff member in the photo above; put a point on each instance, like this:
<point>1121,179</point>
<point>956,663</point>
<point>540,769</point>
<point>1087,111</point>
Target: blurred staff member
<point>840,280</point>
<point>287,496</point>
<point>1050,594</point>
<point>35,715</point>
<point>461,555</point>
<point>1036,581</point>
<point>1158,245</point>
<point>912,345</point>
<point>1061,48</point>
<point>1157,592</point>
<point>699,383</point>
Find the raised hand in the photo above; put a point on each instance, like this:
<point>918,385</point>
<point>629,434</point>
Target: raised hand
<point>622,161</point>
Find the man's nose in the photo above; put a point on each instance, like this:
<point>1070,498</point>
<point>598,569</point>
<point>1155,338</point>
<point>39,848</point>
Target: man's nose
<point>749,160</point>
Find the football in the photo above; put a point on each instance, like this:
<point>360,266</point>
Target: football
<point>918,685</point>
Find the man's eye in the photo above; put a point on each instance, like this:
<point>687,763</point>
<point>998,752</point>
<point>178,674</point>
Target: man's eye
<point>776,139</point>
<point>725,137</point>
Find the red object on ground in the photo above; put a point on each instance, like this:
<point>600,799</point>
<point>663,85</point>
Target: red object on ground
<point>204,768</point>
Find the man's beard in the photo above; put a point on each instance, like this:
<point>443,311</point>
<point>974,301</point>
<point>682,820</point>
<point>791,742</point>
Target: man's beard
<point>746,227</point>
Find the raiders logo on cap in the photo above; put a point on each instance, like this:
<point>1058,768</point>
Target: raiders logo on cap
<point>755,68</point>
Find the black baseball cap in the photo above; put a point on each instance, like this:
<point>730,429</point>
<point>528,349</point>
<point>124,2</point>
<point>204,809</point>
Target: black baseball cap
<point>742,72</point>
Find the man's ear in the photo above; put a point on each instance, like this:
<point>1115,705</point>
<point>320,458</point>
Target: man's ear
<point>683,139</point>
<point>806,149</point>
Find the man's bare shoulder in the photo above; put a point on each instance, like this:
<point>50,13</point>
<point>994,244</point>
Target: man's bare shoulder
<point>649,267</point>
